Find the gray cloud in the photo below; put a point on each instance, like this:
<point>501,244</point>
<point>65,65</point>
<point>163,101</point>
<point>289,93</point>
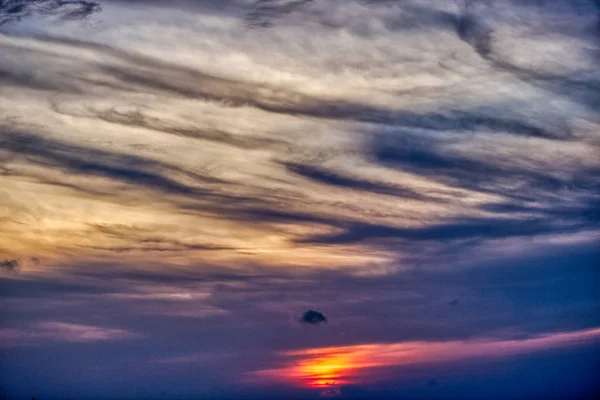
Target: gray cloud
<point>65,332</point>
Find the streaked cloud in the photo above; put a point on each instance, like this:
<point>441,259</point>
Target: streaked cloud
<point>62,332</point>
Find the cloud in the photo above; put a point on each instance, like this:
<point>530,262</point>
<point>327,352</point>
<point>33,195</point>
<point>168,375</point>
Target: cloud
<point>434,171</point>
<point>79,160</point>
<point>17,10</point>
<point>10,265</point>
<point>313,317</point>
<point>63,332</point>
<point>326,177</point>
<point>265,11</point>
<point>262,167</point>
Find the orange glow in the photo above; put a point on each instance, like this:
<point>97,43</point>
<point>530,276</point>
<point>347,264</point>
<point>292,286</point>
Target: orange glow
<point>325,368</point>
<point>326,371</point>
<point>332,367</point>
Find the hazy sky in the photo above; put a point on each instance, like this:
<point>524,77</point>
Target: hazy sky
<point>227,199</point>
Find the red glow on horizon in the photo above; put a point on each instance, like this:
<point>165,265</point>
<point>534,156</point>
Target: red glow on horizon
<point>326,371</point>
<point>330,368</point>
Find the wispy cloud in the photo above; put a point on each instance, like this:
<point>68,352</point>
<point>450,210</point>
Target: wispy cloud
<point>62,332</point>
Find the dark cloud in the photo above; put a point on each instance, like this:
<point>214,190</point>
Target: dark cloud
<point>87,161</point>
<point>452,230</point>
<point>475,33</point>
<point>264,12</point>
<point>313,317</point>
<point>328,177</point>
<point>16,10</point>
<point>426,157</point>
<point>10,265</point>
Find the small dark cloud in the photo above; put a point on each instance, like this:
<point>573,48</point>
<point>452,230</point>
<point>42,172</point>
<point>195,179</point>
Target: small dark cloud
<point>313,317</point>
<point>10,265</point>
<point>453,302</point>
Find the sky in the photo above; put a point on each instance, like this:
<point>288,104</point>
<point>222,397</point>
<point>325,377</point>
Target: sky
<point>299,199</point>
